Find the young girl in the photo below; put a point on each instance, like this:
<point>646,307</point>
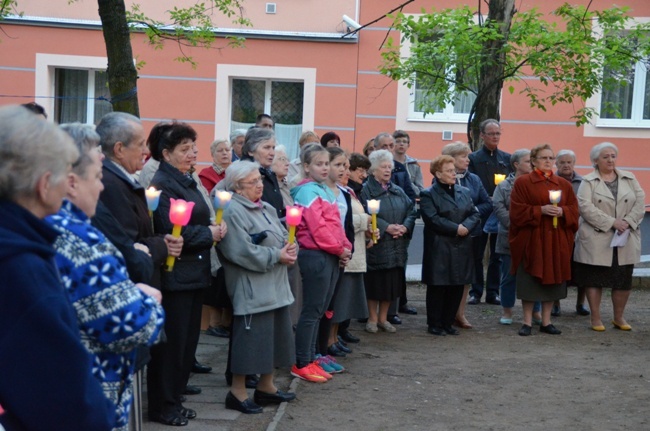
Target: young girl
<point>323,248</point>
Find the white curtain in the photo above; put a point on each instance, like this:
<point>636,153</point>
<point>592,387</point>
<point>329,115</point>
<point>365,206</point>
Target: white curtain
<point>285,134</point>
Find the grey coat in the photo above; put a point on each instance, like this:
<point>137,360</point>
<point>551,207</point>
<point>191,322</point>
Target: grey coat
<point>395,208</point>
<point>448,259</point>
<point>501,203</point>
<point>255,278</point>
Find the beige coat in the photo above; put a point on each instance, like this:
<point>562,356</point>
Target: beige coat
<point>360,223</point>
<point>598,211</point>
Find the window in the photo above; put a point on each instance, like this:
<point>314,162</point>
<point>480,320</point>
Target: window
<point>456,111</point>
<point>80,95</point>
<point>628,104</point>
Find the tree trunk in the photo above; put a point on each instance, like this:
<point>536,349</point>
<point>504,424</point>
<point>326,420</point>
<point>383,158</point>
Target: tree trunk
<point>491,76</point>
<point>122,75</point>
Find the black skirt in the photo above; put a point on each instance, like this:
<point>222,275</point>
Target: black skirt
<point>385,284</point>
<point>614,277</point>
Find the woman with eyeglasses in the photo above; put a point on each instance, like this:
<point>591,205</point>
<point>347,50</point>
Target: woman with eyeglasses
<point>541,237</point>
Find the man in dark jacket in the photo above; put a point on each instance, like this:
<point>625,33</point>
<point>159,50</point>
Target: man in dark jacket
<point>486,162</point>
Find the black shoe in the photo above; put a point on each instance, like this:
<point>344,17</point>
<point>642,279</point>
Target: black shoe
<point>549,329</point>
<point>451,330</point>
<point>263,399</point>
<point>525,330</point>
<point>494,301</point>
<point>247,406</point>
<point>183,398</point>
<point>473,300</point>
<point>200,368</point>
<point>187,413</point>
<point>334,350</point>
<point>407,309</point>
<point>394,320</point>
<point>556,311</point>
<point>343,348</point>
<point>192,390</point>
<point>348,337</point>
<point>435,330</point>
<point>581,310</point>
<point>218,331</point>
<point>173,418</point>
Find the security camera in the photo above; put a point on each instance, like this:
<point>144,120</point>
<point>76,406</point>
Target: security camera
<point>351,23</point>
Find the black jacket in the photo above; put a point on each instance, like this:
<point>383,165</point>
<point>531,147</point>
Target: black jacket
<point>485,163</point>
<point>271,193</point>
<point>192,267</point>
<point>400,176</point>
<point>127,203</point>
<point>448,259</point>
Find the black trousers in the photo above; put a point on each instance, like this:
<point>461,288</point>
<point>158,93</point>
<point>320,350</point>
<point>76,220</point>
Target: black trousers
<point>171,362</point>
<point>442,304</point>
<point>493,271</point>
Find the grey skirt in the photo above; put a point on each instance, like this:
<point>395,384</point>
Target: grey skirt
<point>262,342</point>
<point>530,289</point>
<point>350,302</point>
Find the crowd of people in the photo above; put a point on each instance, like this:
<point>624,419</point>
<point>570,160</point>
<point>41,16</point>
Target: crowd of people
<point>101,279</point>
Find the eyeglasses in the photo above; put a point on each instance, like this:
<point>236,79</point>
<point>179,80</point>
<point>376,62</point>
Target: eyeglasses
<point>282,159</point>
<point>493,134</point>
<point>546,158</point>
<point>253,182</point>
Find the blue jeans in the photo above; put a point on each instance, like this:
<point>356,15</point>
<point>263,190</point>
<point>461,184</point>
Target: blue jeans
<point>320,272</point>
<point>508,286</point>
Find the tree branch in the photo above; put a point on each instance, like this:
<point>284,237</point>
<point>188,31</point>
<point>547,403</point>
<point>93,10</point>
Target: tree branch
<point>355,31</point>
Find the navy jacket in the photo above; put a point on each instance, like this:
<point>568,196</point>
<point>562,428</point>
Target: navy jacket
<point>401,178</point>
<point>46,381</point>
<point>485,163</point>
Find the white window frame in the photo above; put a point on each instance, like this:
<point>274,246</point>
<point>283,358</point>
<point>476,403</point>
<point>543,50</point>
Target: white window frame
<point>46,64</point>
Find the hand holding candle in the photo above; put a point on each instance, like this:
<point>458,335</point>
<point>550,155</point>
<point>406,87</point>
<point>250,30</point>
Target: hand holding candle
<point>498,178</point>
<point>373,209</point>
<point>294,215</point>
<point>180,213</point>
<point>555,196</point>
<point>220,202</point>
<point>153,199</point>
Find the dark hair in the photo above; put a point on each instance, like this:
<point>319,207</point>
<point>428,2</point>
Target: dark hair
<point>35,108</point>
<point>329,136</point>
<point>335,152</point>
<point>359,161</point>
<point>401,134</point>
<point>170,136</point>
<point>262,116</point>
<point>153,140</point>
<point>486,123</point>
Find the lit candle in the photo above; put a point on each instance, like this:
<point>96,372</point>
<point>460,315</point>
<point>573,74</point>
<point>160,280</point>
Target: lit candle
<point>294,215</point>
<point>555,196</point>
<point>498,178</point>
<point>180,212</point>
<point>373,209</point>
<point>153,198</point>
<point>220,202</point>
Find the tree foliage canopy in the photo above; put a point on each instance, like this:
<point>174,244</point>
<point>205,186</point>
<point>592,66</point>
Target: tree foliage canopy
<point>566,52</point>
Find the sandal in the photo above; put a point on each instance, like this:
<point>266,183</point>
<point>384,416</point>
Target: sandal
<point>187,413</point>
<point>173,418</point>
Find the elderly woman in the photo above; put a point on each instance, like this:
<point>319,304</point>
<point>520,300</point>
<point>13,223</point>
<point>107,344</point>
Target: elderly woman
<point>608,243</point>
<point>460,152</point>
<point>237,138</point>
<point>259,147</point>
<point>39,331</point>
<point>133,316</point>
<point>221,158</point>
<point>520,161</point>
<point>255,255</point>
<point>541,238</point>
<point>183,287</point>
<point>386,261</point>
<point>449,216</point>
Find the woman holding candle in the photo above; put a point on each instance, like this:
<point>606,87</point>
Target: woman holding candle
<point>449,216</point>
<point>541,254</point>
<point>611,205</point>
<point>386,261</point>
<point>460,152</point>
<point>182,287</point>
<point>255,256</point>
<point>323,249</point>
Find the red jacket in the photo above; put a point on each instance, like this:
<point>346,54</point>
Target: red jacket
<point>209,177</point>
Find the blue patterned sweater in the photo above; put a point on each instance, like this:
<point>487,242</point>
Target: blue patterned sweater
<point>114,316</point>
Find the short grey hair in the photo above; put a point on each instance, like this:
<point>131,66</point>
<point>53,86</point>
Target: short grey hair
<point>116,127</point>
<point>380,136</point>
<point>483,126</point>
<point>598,148</point>
<point>518,155</point>
<point>281,149</point>
<point>237,133</point>
<point>456,149</point>
<point>254,137</point>
<point>237,172</point>
<point>378,157</point>
<point>86,139</point>
<point>29,148</point>
<point>216,143</point>
<point>563,153</point>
